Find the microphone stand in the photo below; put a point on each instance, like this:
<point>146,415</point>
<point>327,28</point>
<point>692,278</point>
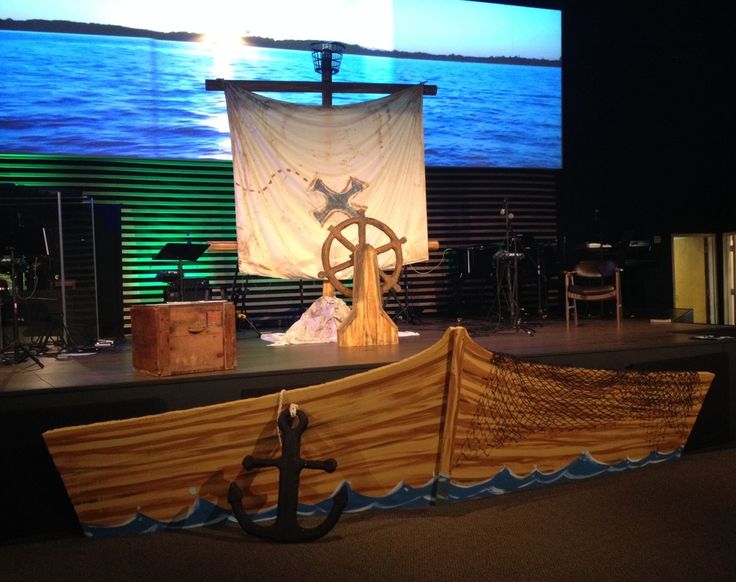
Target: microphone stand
<point>510,258</point>
<point>405,310</point>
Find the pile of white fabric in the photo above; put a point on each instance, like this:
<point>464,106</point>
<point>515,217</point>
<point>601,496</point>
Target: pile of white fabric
<point>317,325</point>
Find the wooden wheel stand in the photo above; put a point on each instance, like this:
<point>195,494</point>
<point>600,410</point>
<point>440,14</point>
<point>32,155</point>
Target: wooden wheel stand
<point>368,324</point>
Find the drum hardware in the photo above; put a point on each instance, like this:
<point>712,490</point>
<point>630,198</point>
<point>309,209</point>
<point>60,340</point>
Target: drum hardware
<point>8,262</point>
<point>20,352</point>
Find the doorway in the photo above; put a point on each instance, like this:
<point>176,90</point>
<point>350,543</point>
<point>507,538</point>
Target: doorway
<point>729,278</point>
<point>694,275</point>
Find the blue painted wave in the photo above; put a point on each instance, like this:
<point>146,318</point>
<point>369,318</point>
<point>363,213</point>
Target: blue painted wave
<point>585,466</point>
<point>505,481</point>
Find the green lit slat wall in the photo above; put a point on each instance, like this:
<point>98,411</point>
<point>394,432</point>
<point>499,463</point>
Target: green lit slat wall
<point>178,200</point>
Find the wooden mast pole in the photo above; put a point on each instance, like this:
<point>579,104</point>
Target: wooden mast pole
<point>327,78</point>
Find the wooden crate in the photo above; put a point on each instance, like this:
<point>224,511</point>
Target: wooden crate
<point>182,338</point>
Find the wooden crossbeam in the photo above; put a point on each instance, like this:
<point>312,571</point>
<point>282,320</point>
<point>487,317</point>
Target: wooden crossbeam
<point>314,87</point>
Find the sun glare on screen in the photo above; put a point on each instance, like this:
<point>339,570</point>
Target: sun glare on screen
<point>223,38</point>
<point>225,44</point>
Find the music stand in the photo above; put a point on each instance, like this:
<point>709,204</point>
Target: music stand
<point>181,252</point>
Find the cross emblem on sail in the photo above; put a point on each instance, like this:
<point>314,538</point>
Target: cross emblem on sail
<point>338,201</point>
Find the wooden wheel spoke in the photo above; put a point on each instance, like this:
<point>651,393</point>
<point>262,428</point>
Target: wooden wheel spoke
<point>345,242</point>
<point>341,267</point>
<point>387,247</point>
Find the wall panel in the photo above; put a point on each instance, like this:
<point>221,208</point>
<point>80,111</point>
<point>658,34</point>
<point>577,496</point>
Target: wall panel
<point>179,200</point>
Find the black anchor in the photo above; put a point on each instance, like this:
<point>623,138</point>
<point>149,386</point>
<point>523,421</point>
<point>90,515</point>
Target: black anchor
<point>286,528</point>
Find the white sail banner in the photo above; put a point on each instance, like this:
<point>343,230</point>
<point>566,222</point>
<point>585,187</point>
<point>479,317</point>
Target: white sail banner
<point>299,169</point>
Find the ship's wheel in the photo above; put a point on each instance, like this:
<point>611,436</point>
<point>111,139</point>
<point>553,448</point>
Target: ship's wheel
<point>388,280</point>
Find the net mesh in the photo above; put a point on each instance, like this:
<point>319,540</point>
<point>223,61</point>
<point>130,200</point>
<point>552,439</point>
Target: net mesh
<point>522,398</point>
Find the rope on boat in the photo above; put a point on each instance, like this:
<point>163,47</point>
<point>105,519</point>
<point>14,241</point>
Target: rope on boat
<point>292,411</point>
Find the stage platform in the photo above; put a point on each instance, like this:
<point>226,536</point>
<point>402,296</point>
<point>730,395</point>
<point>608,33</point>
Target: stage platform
<point>74,389</point>
<point>103,386</point>
<point>71,379</point>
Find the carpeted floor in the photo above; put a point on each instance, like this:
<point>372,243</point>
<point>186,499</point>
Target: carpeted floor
<point>673,522</point>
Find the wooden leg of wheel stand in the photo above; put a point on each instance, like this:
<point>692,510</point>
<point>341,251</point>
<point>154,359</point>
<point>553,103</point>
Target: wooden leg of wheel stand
<point>368,324</point>
<point>328,289</point>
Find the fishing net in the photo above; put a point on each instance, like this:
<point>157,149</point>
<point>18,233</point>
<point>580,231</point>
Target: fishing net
<point>522,398</point>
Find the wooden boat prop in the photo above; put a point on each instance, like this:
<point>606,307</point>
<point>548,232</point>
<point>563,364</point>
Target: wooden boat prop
<point>452,422</point>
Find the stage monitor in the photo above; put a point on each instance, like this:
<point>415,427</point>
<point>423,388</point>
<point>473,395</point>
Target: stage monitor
<point>106,78</point>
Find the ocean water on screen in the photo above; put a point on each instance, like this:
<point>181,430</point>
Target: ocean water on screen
<point>119,96</point>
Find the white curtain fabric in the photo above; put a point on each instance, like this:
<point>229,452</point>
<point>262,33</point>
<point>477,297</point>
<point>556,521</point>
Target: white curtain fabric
<point>295,166</point>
